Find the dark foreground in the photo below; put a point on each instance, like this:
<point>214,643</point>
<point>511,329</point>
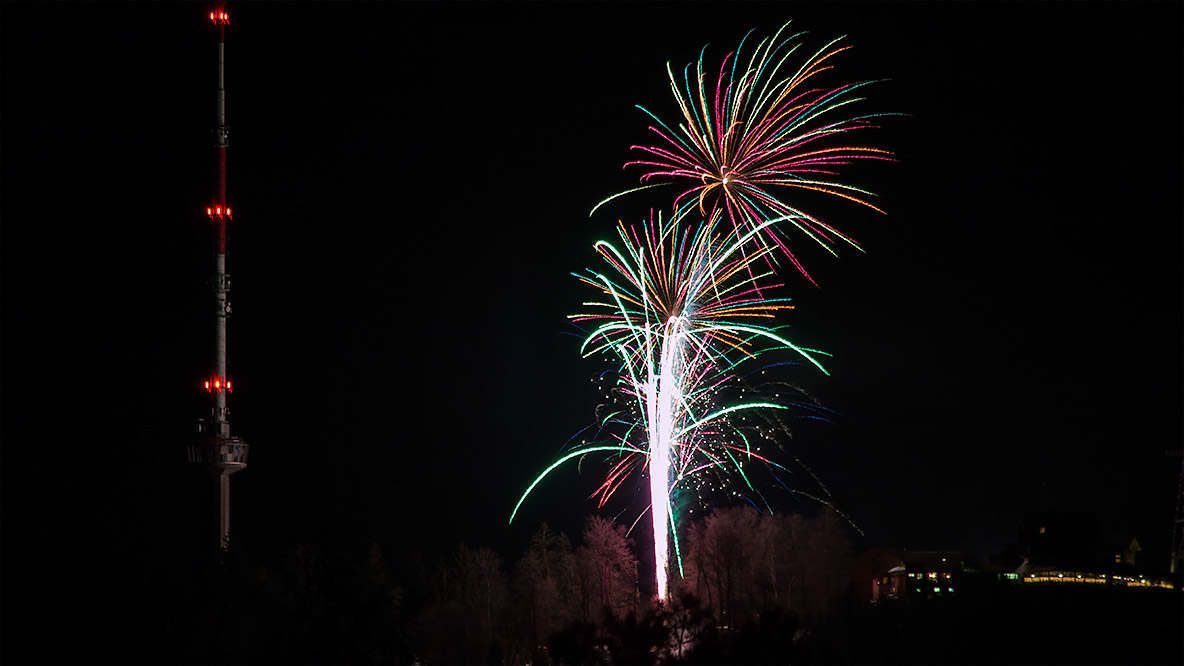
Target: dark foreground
<point>328,613</point>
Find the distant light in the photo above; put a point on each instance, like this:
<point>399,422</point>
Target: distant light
<point>207,385</point>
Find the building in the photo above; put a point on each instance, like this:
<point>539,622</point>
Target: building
<point>880,574</point>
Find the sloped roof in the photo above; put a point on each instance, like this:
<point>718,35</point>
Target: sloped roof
<point>934,560</point>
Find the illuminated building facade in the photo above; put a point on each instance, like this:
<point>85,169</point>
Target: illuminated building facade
<point>881,574</point>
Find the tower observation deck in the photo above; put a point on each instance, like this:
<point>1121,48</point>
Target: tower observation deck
<point>218,451</point>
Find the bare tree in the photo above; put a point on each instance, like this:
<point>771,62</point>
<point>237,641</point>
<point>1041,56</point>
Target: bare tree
<point>462,624</point>
<point>607,571</point>
<point>727,561</point>
<point>742,564</point>
<point>827,565</point>
<point>544,585</point>
<point>793,560</point>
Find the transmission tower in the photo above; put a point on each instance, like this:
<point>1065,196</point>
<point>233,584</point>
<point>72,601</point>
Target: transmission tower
<point>218,451</point>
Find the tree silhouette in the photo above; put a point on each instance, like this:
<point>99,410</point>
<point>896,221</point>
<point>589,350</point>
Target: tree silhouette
<point>463,624</point>
<point>742,563</point>
<point>545,587</point>
<point>606,570</point>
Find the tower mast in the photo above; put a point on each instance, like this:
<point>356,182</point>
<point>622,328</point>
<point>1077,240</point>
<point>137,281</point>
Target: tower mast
<point>220,452</point>
<point>1177,563</point>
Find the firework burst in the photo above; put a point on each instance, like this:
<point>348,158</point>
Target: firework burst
<point>683,315</point>
<point>755,131</point>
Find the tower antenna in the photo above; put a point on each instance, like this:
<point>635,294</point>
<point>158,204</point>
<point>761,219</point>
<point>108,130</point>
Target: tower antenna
<point>1176,567</point>
<point>220,452</point>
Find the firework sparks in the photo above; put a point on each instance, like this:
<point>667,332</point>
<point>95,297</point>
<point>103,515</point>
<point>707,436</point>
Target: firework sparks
<point>683,308</point>
<point>754,130</point>
<point>682,314</point>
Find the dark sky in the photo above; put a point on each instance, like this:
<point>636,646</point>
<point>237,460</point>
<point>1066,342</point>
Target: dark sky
<point>411,186</point>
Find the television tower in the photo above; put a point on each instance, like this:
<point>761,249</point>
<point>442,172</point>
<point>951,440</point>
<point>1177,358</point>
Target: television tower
<point>220,452</point>
<point>1177,563</point>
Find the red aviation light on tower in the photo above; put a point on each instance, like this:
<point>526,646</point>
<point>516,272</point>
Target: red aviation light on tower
<point>218,212</point>
<point>216,385</point>
<point>219,16</point>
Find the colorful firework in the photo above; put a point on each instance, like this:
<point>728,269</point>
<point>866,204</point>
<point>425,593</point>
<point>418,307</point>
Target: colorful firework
<point>676,317</point>
<point>757,132</point>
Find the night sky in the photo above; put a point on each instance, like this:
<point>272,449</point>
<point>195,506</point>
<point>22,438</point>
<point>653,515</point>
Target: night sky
<point>411,187</point>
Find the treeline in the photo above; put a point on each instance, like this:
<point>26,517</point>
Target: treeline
<point>756,587</point>
<point>483,612</point>
<point>745,574</point>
